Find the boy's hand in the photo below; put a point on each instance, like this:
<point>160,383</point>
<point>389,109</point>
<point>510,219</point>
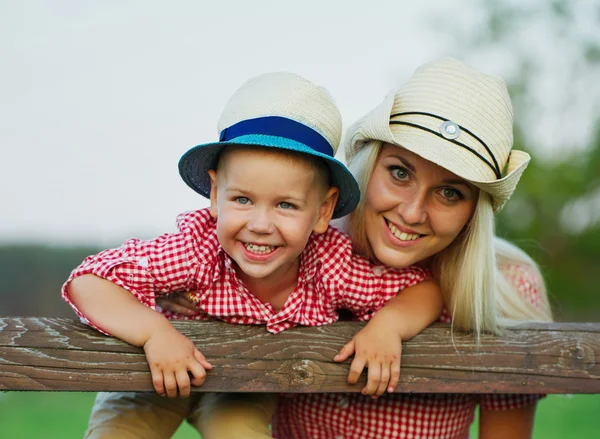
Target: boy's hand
<point>375,348</point>
<point>171,355</point>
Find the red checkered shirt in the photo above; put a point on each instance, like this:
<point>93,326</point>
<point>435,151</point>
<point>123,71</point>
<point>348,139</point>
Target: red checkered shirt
<point>395,416</point>
<point>330,277</point>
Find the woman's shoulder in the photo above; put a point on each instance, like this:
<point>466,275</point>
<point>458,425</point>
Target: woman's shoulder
<point>525,279</point>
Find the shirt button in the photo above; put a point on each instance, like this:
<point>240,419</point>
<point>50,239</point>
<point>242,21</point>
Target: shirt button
<point>143,262</point>
<point>378,270</point>
<point>343,403</point>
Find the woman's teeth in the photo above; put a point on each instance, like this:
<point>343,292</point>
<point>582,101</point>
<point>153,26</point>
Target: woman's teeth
<point>259,248</point>
<point>402,236</point>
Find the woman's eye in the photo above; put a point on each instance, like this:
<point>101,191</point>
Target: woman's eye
<point>285,205</point>
<point>243,200</point>
<point>451,194</point>
<point>399,173</point>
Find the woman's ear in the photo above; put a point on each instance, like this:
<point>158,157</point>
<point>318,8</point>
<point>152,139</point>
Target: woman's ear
<point>326,210</point>
<point>214,212</point>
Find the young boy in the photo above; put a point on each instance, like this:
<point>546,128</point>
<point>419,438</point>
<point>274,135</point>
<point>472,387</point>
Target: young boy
<point>263,253</point>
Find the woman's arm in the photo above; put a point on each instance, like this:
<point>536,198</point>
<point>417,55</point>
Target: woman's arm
<point>378,346</point>
<point>512,423</point>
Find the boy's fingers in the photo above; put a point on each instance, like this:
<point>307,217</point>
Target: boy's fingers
<point>394,376</point>
<point>373,378</point>
<point>170,384</point>
<point>198,373</point>
<point>200,358</point>
<point>183,383</point>
<point>356,368</point>
<point>158,382</point>
<point>346,351</point>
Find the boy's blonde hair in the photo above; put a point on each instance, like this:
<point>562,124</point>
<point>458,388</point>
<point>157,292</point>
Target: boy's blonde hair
<point>478,296</point>
<point>320,170</point>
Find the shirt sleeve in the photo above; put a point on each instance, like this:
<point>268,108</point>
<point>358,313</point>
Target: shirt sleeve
<point>362,287</point>
<point>501,402</point>
<point>148,268</point>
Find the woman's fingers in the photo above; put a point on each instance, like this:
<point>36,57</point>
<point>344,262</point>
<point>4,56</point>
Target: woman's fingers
<point>356,368</point>
<point>384,380</point>
<point>346,351</point>
<point>394,375</point>
<point>373,378</point>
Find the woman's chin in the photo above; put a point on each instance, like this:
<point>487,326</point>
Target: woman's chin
<point>397,259</point>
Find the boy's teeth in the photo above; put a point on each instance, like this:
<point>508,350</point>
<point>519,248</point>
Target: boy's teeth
<point>259,248</point>
<point>402,236</point>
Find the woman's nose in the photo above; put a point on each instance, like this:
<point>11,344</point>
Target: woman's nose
<point>413,211</point>
<point>261,222</point>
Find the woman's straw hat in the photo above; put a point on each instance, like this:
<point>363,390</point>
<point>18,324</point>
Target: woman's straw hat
<point>454,116</point>
<point>277,110</point>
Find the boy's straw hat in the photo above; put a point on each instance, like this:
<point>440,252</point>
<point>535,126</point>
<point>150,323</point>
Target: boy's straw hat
<point>277,110</point>
<point>456,117</point>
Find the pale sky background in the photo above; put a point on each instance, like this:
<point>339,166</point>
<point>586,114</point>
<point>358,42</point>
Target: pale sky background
<point>99,99</point>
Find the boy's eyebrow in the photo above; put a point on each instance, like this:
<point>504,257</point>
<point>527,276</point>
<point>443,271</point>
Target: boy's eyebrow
<point>296,200</point>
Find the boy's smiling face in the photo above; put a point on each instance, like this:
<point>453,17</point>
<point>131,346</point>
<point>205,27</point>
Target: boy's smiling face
<point>267,202</point>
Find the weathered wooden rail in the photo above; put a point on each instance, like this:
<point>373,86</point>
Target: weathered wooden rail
<point>62,354</point>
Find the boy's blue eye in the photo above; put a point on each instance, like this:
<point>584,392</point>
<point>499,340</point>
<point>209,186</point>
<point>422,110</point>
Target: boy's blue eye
<point>285,205</point>
<point>243,200</point>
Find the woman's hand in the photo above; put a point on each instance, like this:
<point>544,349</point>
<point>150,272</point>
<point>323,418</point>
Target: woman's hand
<point>171,355</point>
<point>379,352</point>
<point>179,303</point>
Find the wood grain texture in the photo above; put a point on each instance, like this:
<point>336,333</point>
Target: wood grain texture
<point>62,354</point>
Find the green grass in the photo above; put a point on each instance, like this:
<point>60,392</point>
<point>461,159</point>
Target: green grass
<point>25,415</point>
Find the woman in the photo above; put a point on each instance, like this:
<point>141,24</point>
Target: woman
<point>434,163</point>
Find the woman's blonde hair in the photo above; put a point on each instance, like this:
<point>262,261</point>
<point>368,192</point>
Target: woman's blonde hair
<point>478,296</point>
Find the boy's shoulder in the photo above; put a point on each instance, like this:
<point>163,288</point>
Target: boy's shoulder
<point>196,219</point>
<point>333,249</point>
<point>331,237</point>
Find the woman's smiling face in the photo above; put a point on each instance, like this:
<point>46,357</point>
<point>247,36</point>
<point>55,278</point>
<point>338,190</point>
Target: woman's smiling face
<point>414,208</point>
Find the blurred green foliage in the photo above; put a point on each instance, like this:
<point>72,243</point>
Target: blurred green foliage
<point>544,220</point>
<point>54,415</point>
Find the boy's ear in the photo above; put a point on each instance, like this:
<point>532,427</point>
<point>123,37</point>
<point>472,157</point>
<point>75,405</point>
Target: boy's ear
<point>326,210</point>
<point>213,193</point>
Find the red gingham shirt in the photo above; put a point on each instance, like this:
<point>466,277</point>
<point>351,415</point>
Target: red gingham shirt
<point>397,416</point>
<point>330,277</point>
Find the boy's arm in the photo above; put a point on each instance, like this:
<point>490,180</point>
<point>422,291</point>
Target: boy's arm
<point>115,310</point>
<point>379,344</point>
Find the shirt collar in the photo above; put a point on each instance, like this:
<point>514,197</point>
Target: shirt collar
<point>310,262</point>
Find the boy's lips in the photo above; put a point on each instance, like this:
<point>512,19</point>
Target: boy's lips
<point>258,252</point>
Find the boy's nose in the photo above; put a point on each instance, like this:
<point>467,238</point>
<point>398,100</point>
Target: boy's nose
<point>261,222</point>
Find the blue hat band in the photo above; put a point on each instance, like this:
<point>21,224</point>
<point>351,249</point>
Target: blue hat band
<point>280,127</point>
